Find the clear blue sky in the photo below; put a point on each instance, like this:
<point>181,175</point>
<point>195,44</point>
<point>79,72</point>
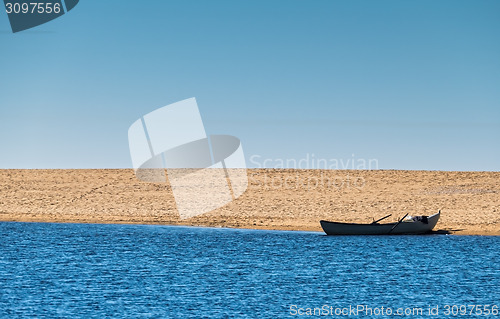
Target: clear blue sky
<point>413,84</point>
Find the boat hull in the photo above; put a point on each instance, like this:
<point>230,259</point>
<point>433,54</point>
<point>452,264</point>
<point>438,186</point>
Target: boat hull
<point>404,228</point>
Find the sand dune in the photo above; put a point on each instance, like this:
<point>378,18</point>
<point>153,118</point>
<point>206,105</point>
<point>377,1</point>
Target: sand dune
<point>275,199</point>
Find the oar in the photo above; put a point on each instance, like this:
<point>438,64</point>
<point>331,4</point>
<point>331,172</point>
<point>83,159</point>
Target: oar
<point>390,231</point>
<point>381,219</point>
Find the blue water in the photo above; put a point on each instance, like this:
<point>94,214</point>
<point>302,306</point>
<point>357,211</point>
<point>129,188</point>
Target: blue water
<point>82,271</point>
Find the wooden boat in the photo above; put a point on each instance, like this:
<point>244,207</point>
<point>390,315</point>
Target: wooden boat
<point>414,225</point>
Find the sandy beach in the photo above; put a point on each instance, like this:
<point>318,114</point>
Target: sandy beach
<point>284,199</point>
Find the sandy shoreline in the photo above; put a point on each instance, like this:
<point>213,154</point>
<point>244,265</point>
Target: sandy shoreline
<point>275,199</point>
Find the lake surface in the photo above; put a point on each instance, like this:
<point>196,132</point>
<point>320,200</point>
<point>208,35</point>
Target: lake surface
<point>81,271</point>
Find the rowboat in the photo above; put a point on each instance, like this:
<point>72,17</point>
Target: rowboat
<point>408,226</point>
